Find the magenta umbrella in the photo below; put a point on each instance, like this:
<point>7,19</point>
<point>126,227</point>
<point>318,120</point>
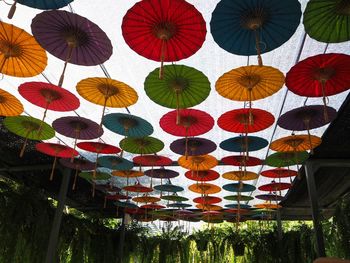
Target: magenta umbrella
<point>195,146</point>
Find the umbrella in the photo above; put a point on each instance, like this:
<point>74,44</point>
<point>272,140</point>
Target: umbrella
<point>245,120</point>
<point>243,144</point>
<point>153,206</point>
<point>235,206</point>
<point>295,143</point>
<point>168,30</point>
<point>77,128</point>
<point>127,125</point>
<point>285,159</point>
<point>209,207</point>
<point>182,87</point>
<point>152,160</point>
<point>195,146</point>
<point>198,162</point>
<point>20,54</point>
<point>98,176</point>
<point>168,188</point>
<point>279,173</point>
<point>137,188</point>
<point>28,128</point>
<point>115,163</point>
<point>269,197</point>
<point>72,38</point>
<point>207,200</point>
<point>241,160</point>
<point>107,93</point>
<point>274,187</point>
<point>127,173</point>
<point>56,150</point>
<point>202,176</point>
<point>9,104</point>
<point>144,145</point>
<point>253,27</point>
<point>327,21</point>
<point>237,187</point>
<point>320,76</point>
<point>175,198</point>
<point>146,199</point>
<point>204,188</point>
<point>243,198</point>
<point>77,164</point>
<point>267,206</point>
<point>49,97</point>
<point>179,205</point>
<point>41,4</point>
<point>161,174</point>
<point>240,175</point>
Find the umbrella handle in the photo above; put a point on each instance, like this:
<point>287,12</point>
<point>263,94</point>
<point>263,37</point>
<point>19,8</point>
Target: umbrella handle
<point>162,56</point>
<point>12,10</point>
<point>24,146</point>
<point>178,117</point>
<point>103,112</point>
<point>75,179</point>
<point>257,45</point>
<point>53,168</point>
<point>324,99</point>
<point>69,56</point>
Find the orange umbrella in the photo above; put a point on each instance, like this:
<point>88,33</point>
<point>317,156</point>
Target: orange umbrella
<point>146,199</point>
<point>9,104</point>
<point>267,206</point>
<point>204,188</point>
<point>208,207</point>
<point>20,53</point>
<point>107,92</point>
<point>295,143</point>
<point>198,162</point>
<point>240,175</point>
<point>250,83</point>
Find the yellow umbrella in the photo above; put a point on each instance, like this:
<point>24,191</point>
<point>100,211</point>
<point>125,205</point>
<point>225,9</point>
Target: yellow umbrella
<point>107,92</point>
<point>240,175</point>
<point>250,83</point>
<point>295,143</point>
<point>20,53</point>
<point>198,162</point>
<point>9,104</point>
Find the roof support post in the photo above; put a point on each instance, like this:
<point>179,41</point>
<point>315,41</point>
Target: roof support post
<point>310,172</point>
<point>51,254</point>
<point>121,240</point>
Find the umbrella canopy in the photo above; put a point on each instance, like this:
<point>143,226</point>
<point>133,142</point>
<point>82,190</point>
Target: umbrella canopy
<point>246,120</point>
<point>198,163</point>
<point>240,175</point>
<point>285,159</point>
<point>241,160</point>
<point>72,38</point>
<point>295,143</point>
<point>152,160</point>
<point>98,147</point>
<point>107,93</point>
<point>253,27</point>
<point>117,197</point>
<point>98,176</point>
<point>209,207</point>
<point>279,173</point>
<point>238,187</point>
<point>202,176</point>
<point>146,199</point>
<point>327,21</point>
<point>20,53</point>
<point>28,128</point>
<point>179,205</point>
<point>144,145</point>
<point>235,206</point>
<point>126,204</point>
<point>243,198</point>
<point>243,144</point>
<point>195,146</point>
<point>207,200</point>
<point>168,30</point>
<point>175,198</point>
<point>162,173</point>
<point>127,125</point>
<point>181,87</point>
<point>269,197</point>
<point>137,188</point>
<point>115,163</point>
<point>9,104</point>
<point>204,188</point>
<point>77,164</point>
<point>267,206</point>
<point>274,187</point>
<point>127,174</point>
<point>49,96</point>
<point>153,206</point>
<point>168,188</point>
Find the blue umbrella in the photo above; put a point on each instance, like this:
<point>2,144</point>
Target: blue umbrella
<point>252,27</point>
<point>237,187</point>
<point>127,125</point>
<point>235,206</point>
<point>115,163</point>
<point>244,144</point>
<point>39,4</point>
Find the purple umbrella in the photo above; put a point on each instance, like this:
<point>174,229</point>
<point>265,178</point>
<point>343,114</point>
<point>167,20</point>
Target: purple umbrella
<point>161,174</point>
<point>306,118</point>
<point>195,146</point>
<point>269,197</point>
<point>72,38</point>
<point>78,164</point>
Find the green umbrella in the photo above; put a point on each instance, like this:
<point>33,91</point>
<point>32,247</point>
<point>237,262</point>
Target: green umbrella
<point>90,176</point>
<point>181,87</point>
<point>284,159</point>
<point>29,128</point>
<point>243,198</point>
<point>144,145</point>
<point>328,20</point>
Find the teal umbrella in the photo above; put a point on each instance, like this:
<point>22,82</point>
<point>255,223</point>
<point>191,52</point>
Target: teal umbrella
<point>115,163</point>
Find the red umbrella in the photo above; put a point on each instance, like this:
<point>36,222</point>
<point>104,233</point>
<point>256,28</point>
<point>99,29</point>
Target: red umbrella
<point>207,200</point>
<point>167,30</point>
<point>274,187</point>
<point>152,160</point>
<point>49,96</point>
<point>320,76</point>
<point>241,160</point>
<point>152,206</point>
<point>279,173</point>
<point>202,176</point>
<point>137,188</point>
<point>115,197</point>
<point>245,120</point>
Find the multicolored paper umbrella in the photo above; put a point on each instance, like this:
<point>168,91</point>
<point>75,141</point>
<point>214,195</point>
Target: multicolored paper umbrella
<point>237,187</point>
<point>207,200</point>
<point>57,151</point>
<point>243,198</point>
<point>274,187</point>
<point>195,146</point>
<point>72,38</point>
<point>144,145</point>
<point>137,188</point>
<point>204,188</point>
<point>168,30</point>
<point>240,175</point>
<point>41,4</point>
<point>9,104</point>
<point>241,160</point>
<point>28,128</point>
<point>20,54</point>
<point>244,144</point>
<point>235,206</point>
<point>250,83</point>
<point>127,125</point>
<point>209,207</point>
<point>49,97</point>
<point>254,27</point>
<point>181,87</point>
<point>279,173</point>
<point>179,205</point>
<point>107,93</point>
<point>198,163</point>
<point>295,143</point>
<point>285,159</point>
<point>115,163</point>
<point>320,76</point>
<point>77,128</point>
<point>327,21</point>
<point>153,206</point>
<point>202,176</point>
